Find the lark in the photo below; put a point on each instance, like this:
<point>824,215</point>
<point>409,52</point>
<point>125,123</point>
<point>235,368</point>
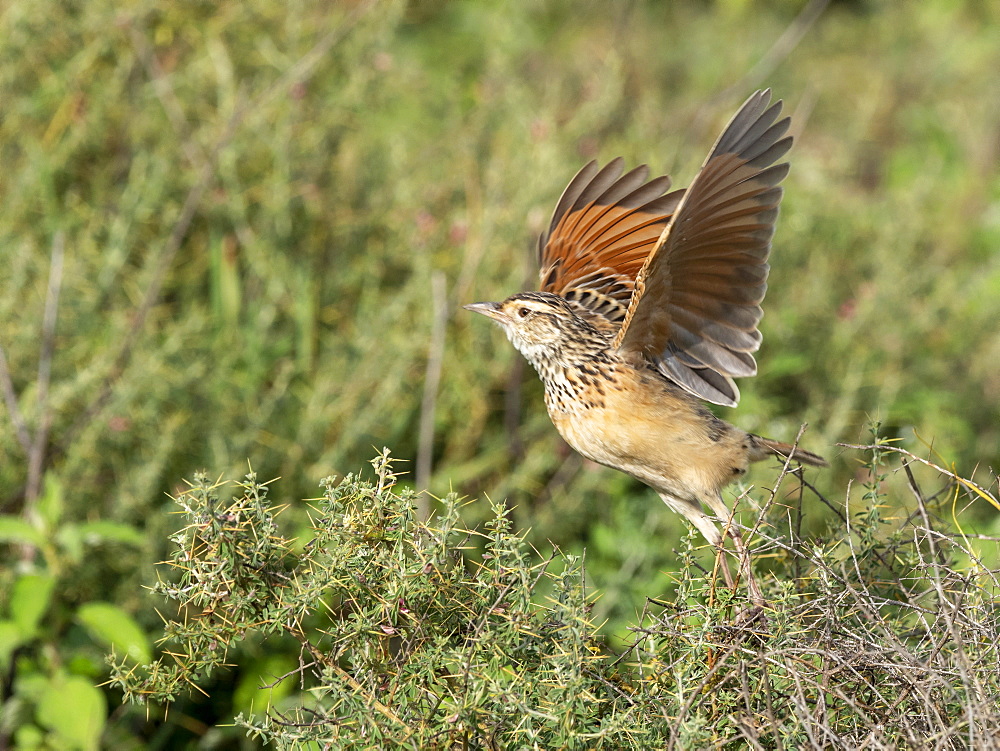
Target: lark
<point>648,307</point>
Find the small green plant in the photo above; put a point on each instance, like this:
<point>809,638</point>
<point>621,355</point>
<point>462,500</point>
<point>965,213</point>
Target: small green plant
<point>54,628</point>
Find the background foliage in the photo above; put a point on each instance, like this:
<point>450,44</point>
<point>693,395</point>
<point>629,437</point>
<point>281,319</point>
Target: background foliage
<point>243,231</point>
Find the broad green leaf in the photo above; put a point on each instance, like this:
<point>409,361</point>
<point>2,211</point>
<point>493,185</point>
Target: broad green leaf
<point>10,639</point>
<point>29,737</point>
<point>94,533</point>
<point>74,710</point>
<point>114,628</point>
<point>15,529</point>
<point>29,600</point>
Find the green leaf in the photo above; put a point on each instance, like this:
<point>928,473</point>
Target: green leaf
<point>15,529</point>
<point>95,533</point>
<point>29,600</point>
<point>70,543</point>
<point>29,737</point>
<point>10,639</point>
<point>74,710</point>
<point>51,503</point>
<point>114,628</point>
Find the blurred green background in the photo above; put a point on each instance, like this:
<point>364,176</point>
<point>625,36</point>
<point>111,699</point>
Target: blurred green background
<point>269,214</point>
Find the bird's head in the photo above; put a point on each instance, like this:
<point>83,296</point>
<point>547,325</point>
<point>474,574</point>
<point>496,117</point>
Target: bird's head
<point>542,326</point>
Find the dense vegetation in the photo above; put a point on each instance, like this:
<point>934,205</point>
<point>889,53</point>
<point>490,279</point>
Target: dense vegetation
<point>872,638</point>
<point>236,232</point>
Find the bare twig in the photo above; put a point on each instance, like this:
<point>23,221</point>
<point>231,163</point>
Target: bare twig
<point>10,399</point>
<point>966,483</point>
<point>168,98</point>
<point>432,384</point>
<point>36,457</point>
<point>300,671</point>
<point>764,67</point>
<point>304,67</point>
<point>780,50</point>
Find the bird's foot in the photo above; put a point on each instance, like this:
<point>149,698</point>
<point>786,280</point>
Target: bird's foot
<point>753,616</point>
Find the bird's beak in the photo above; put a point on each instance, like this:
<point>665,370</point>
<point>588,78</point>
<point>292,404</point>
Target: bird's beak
<point>489,309</point>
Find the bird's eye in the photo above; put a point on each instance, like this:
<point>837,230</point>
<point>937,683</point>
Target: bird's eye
<point>522,312</point>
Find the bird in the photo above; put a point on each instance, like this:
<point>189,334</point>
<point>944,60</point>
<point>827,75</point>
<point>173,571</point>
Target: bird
<point>648,307</point>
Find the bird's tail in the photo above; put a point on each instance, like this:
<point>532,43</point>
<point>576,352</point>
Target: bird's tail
<point>764,448</point>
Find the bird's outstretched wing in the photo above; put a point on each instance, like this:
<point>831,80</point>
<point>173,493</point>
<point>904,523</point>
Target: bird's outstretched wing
<point>695,302</point>
<point>602,230</point>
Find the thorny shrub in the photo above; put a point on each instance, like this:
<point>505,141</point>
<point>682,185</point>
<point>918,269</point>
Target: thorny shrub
<point>426,635</point>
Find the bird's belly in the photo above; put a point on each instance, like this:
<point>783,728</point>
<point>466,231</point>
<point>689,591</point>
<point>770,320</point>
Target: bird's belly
<point>647,451</point>
<point>666,454</point>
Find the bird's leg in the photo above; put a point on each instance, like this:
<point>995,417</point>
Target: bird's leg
<point>717,505</point>
<point>722,563</point>
<point>753,588</point>
<point>692,511</point>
